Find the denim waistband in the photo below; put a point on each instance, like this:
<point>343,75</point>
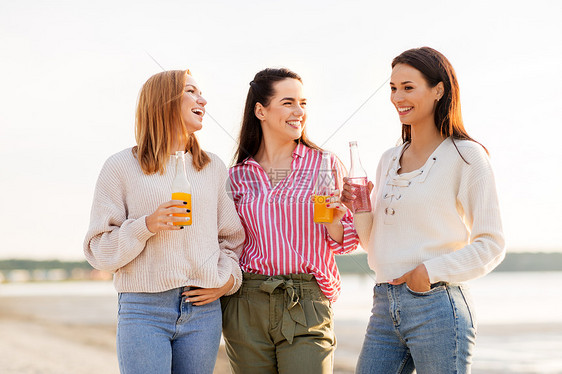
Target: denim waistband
<point>190,288</point>
<point>433,285</point>
<point>437,284</point>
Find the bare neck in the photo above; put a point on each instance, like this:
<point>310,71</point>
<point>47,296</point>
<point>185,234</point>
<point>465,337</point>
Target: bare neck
<point>424,140</point>
<point>275,154</point>
<point>179,144</point>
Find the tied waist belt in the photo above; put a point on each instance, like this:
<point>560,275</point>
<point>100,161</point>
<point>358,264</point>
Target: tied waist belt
<point>290,285</point>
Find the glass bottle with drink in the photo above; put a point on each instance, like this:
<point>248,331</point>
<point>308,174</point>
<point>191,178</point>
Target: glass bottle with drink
<point>358,179</point>
<point>325,185</point>
<point>181,189</point>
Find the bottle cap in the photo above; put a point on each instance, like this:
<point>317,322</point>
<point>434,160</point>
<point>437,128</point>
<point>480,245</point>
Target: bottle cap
<point>353,142</point>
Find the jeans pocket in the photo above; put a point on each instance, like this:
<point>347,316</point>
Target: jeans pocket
<point>430,292</point>
<point>465,292</point>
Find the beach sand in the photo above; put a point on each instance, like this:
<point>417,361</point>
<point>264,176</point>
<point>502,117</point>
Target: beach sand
<point>56,334</point>
<point>76,334</point>
<point>68,334</point>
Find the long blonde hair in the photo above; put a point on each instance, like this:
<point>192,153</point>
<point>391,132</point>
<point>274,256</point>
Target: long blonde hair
<point>159,122</point>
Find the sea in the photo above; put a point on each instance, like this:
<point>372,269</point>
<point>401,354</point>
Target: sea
<point>519,317</point>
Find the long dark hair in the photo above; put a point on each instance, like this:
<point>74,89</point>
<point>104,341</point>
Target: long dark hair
<point>261,91</point>
<point>436,68</point>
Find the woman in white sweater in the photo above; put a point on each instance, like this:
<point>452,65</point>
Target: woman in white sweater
<point>435,224</point>
<point>169,278</point>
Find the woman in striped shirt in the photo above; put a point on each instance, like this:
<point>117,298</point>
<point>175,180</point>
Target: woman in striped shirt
<point>281,319</point>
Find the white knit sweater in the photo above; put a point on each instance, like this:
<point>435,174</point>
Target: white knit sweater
<point>204,254</point>
<point>445,215</point>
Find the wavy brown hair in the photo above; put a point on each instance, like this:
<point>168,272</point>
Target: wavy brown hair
<point>435,68</point>
<point>159,122</point>
<point>261,91</point>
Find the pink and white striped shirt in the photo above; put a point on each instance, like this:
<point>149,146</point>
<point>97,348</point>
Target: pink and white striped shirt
<point>281,236</point>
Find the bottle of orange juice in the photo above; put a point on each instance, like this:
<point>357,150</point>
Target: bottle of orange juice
<point>181,189</point>
<point>325,185</point>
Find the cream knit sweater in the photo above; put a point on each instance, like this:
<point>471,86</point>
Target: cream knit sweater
<point>204,254</point>
<point>445,215</point>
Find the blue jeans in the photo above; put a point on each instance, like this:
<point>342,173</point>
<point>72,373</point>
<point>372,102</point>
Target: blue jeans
<point>432,332</point>
<point>161,333</point>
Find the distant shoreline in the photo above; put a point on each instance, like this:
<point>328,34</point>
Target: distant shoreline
<point>25,270</point>
<point>513,262</point>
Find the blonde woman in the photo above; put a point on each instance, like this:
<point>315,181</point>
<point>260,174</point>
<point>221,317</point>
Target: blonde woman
<point>169,278</point>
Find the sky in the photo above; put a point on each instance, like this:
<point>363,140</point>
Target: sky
<point>71,71</point>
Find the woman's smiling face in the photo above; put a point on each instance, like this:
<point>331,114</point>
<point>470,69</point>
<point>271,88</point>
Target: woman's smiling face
<point>192,106</point>
<point>285,115</point>
<point>412,97</point>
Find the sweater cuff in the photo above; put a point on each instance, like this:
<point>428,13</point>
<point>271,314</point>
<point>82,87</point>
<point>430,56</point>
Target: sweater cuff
<point>229,267</point>
<point>436,270</point>
<point>140,230</point>
<point>237,275</point>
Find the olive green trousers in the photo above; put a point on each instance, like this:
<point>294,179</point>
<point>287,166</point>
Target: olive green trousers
<point>279,324</point>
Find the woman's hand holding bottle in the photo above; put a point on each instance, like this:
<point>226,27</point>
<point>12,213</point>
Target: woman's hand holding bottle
<point>362,222</point>
<point>359,200</point>
<point>163,219</point>
<point>334,202</point>
<point>350,191</point>
<point>334,227</point>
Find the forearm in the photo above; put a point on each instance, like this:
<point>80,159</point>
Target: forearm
<point>231,241</point>
<point>335,230</point>
<point>228,267</point>
<point>110,249</point>
<point>472,261</point>
<point>363,223</point>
